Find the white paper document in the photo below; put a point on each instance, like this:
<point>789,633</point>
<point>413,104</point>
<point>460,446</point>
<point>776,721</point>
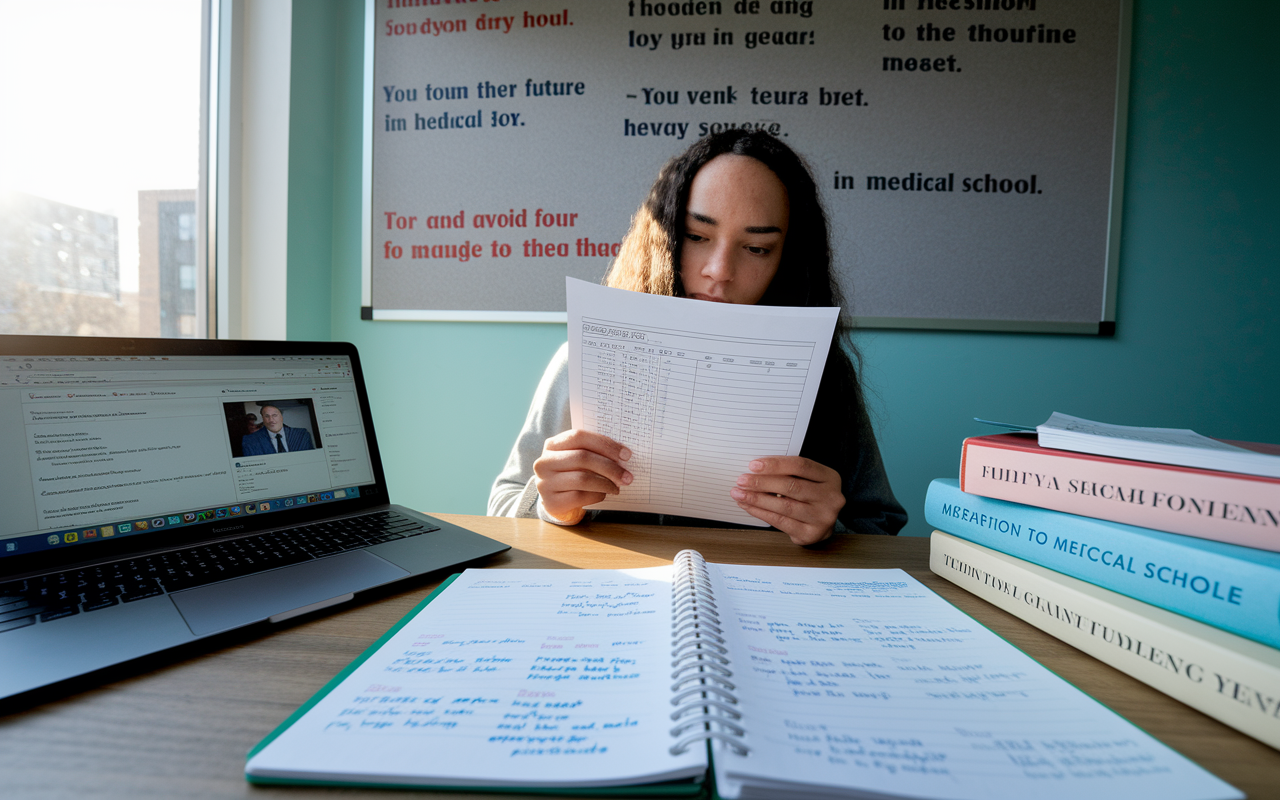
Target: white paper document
<point>1179,446</point>
<point>695,389</point>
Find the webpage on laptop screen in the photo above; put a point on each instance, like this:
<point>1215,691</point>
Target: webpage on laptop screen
<point>103,447</point>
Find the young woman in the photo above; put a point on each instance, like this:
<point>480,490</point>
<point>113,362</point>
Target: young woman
<point>734,219</point>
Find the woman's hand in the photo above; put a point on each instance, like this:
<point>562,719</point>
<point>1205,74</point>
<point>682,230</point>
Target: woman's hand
<point>578,468</point>
<point>797,496</point>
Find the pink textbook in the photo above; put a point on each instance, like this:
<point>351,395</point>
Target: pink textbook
<point>1224,506</point>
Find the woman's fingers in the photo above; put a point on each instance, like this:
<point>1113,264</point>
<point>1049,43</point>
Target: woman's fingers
<point>578,468</point>
<point>784,485</point>
<point>786,506</point>
<point>576,480</point>
<point>793,466</point>
<point>581,469</point>
<point>801,533</point>
<point>578,439</point>
<point>796,495</point>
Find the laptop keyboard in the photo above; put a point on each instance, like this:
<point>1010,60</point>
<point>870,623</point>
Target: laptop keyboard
<point>63,594</point>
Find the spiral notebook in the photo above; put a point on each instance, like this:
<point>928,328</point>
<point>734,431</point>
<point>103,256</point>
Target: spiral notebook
<point>770,681</point>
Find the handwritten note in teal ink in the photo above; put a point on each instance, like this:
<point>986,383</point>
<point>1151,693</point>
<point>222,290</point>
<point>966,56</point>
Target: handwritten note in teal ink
<point>511,677</point>
<point>867,678</point>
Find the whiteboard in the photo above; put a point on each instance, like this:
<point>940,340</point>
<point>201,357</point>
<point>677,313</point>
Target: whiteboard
<point>969,152</point>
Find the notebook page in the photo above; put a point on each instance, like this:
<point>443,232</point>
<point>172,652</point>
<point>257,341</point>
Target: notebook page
<point>507,678</point>
<point>865,678</point>
<point>695,389</point>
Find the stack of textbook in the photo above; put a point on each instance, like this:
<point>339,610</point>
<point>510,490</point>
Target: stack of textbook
<point>1169,572</point>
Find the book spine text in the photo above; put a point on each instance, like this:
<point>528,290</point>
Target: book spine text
<point>1232,588</point>
<point>1233,680</point>
<point>1225,508</point>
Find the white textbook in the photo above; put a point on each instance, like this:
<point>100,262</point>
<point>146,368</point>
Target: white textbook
<point>695,389</point>
<point>1228,677</point>
<point>838,683</point>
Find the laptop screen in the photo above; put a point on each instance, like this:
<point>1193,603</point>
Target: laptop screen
<point>101,448</point>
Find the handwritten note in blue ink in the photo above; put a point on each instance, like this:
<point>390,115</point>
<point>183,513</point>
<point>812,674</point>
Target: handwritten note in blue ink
<point>866,678</point>
<point>510,677</point>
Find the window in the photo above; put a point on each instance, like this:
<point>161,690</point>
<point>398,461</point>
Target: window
<point>99,168</point>
<point>187,227</point>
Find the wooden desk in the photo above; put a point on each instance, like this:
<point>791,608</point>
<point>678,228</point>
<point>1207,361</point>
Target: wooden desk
<point>180,724</point>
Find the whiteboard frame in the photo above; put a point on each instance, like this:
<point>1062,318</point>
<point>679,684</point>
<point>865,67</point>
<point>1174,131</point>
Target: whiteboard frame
<point>1120,138</point>
<point>1105,327</point>
<point>366,168</point>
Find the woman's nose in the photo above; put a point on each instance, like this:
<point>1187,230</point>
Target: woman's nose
<point>719,266</point>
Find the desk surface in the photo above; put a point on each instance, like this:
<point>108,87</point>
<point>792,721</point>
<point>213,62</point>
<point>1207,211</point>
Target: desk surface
<point>179,724</point>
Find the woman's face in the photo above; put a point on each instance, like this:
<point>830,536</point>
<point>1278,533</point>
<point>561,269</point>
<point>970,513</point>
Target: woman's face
<point>735,226</point>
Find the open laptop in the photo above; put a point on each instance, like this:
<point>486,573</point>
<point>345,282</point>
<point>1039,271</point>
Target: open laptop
<point>158,491</point>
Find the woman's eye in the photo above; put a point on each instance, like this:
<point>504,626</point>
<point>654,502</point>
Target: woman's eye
<point>760,251</point>
<point>693,237</point>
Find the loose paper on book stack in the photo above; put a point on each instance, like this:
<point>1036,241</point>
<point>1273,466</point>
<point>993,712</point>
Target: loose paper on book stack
<point>1180,446</point>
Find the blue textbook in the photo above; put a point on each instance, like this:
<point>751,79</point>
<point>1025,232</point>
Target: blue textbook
<point>1228,586</point>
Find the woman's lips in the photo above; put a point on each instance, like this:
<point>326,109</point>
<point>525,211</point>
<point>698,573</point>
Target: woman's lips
<point>708,297</point>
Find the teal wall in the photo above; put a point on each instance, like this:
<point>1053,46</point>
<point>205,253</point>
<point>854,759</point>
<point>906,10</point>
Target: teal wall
<point>312,200</point>
<point>1197,339</point>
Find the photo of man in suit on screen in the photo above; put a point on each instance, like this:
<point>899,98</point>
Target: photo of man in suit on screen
<point>274,436</point>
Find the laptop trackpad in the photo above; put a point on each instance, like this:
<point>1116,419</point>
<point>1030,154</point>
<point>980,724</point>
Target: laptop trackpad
<point>242,601</point>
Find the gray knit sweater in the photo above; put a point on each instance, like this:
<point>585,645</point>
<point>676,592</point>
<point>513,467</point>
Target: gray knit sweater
<point>513,493</point>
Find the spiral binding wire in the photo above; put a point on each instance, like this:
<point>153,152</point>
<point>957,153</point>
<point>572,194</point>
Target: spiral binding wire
<point>706,707</point>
